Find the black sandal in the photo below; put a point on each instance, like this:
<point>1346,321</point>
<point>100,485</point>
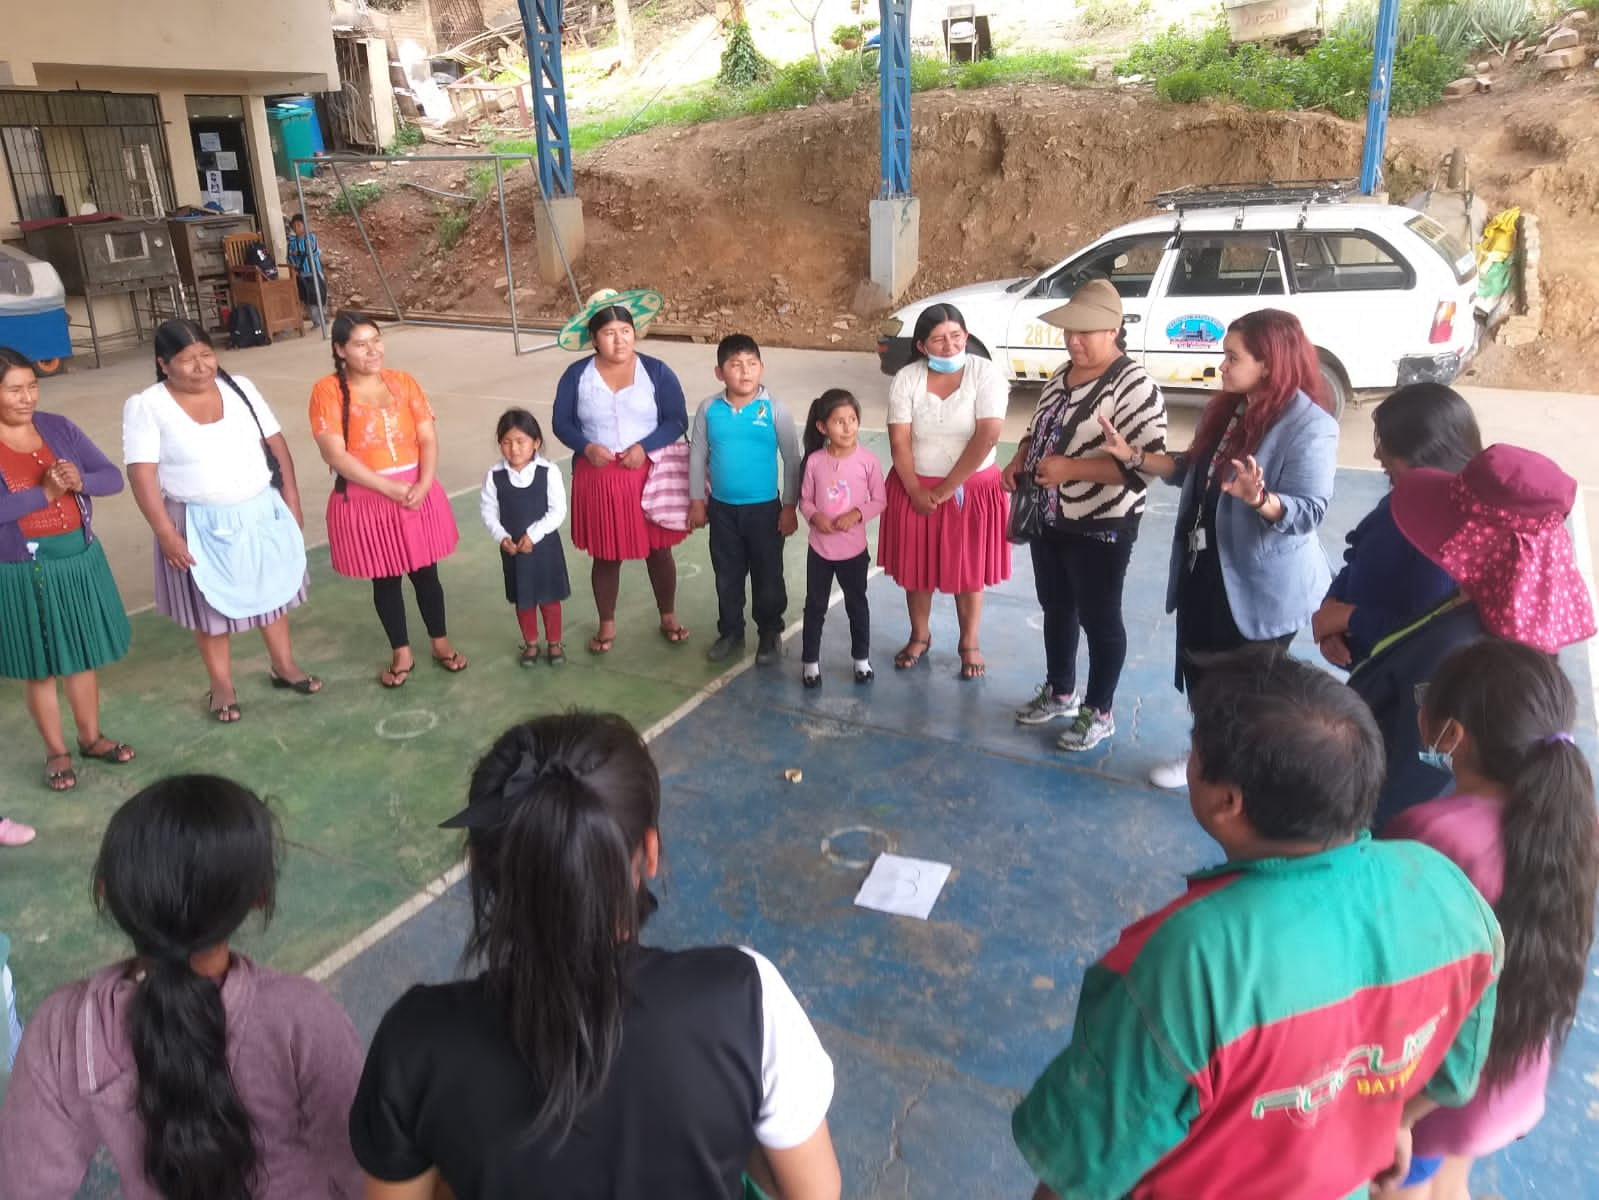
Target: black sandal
<point>971,670</point>
<point>905,660</point>
<point>226,714</point>
<point>306,685</point>
<point>555,653</point>
<point>530,655</point>
<point>113,753</point>
<point>63,780</point>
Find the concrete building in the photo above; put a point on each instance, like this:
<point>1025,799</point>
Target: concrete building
<point>125,107</point>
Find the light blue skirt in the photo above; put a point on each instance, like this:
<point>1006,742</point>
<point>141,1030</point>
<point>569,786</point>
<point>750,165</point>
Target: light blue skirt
<point>249,557</point>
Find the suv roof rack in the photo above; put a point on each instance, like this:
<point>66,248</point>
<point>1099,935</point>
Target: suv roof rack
<point>1303,192</point>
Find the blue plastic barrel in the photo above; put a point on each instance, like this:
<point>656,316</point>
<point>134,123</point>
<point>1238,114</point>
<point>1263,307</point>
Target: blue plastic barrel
<point>308,103</point>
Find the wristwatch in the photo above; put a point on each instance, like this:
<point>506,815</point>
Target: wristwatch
<point>1136,461</point>
<point>1265,494</point>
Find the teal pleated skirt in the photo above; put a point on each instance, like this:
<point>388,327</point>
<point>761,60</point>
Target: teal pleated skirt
<point>60,613</point>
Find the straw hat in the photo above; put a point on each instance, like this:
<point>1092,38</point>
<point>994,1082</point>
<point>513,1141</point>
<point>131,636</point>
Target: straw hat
<point>1094,306</point>
<point>641,304</point>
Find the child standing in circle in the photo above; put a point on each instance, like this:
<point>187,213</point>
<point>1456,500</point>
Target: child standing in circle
<point>841,488</point>
<point>523,504</point>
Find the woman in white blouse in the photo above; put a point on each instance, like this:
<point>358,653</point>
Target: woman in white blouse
<point>613,409</point>
<point>212,474</point>
<point>944,528</point>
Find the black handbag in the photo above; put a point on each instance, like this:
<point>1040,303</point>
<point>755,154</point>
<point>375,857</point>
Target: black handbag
<point>274,467</point>
<point>1027,504</point>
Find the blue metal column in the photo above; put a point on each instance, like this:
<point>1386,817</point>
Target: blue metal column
<point>1382,78</point>
<point>541,21</point>
<point>894,79</point>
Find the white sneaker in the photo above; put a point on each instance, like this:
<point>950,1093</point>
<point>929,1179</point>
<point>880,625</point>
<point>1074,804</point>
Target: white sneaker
<point>1171,775</point>
<point>1046,706</point>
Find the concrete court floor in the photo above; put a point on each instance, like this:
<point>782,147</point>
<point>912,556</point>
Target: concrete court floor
<point>936,1027</point>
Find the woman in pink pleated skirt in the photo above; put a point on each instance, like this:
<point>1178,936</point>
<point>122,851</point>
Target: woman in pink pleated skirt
<point>388,517</point>
<point>944,528</point>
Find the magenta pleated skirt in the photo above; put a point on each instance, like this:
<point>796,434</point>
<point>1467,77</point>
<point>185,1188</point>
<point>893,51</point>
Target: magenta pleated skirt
<point>608,518</point>
<point>959,548</point>
<point>373,537</point>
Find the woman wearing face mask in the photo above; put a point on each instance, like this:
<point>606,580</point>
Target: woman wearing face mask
<point>200,448</point>
<point>1256,480</point>
<point>944,527</point>
<point>1520,823</point>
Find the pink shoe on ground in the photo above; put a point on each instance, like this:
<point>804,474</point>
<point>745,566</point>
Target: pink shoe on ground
<point>14,833</point>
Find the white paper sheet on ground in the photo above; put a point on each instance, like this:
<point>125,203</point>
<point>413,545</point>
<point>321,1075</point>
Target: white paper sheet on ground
<point>905,886</point>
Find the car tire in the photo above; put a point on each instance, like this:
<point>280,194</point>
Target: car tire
<point>1335,385</point>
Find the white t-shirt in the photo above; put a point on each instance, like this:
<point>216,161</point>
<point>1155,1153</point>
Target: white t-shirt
<point>796,1073</point>
<point>616,420</point>
<point>941,429</point>
<point>219,463</point>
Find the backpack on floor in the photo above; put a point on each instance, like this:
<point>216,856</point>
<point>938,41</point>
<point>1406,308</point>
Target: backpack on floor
<point>246,328</point>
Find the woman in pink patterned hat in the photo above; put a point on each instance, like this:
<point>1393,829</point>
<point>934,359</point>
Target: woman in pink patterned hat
<point>1499,529</point>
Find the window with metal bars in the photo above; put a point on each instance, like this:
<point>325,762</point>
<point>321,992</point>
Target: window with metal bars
<point>65,150</point>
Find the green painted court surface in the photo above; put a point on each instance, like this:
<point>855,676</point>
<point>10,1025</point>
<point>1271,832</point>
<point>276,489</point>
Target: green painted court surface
<point>359,775</point>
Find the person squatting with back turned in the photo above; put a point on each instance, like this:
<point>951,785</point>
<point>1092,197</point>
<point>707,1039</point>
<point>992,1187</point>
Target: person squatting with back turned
<point>206,1076</point>
<point>579,1056</point>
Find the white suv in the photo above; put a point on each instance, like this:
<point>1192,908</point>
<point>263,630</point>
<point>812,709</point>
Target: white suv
<point>1384,292</point>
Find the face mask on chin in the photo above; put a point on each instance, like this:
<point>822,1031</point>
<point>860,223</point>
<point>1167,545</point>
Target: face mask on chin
<point>946,366</point>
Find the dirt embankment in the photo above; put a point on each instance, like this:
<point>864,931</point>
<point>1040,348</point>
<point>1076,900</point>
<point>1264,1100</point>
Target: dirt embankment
<point>760,224</point>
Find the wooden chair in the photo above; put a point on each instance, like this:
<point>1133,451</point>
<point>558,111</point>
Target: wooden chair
<point>277,300</point>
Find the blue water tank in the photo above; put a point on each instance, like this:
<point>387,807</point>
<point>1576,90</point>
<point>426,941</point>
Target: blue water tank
<point>306,102</point>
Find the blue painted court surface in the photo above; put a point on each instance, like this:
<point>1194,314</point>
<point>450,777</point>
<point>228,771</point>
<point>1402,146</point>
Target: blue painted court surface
<point>938,1027</point>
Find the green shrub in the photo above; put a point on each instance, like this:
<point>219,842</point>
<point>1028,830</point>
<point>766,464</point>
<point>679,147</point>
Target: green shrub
<point>1334,75</point>
<point>1456,26</point>
<point>929,71</point>
<point>356,197</point>
<point>742,63</point>
<point>406,137</point>
<point>479,180</point>
<point>451,224</point>
<point>848,33</point>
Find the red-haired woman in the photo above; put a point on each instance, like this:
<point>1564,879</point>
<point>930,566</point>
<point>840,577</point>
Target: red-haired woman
<point>1246,566</point>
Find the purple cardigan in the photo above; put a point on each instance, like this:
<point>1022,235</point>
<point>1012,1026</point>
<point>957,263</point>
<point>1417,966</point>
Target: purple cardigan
<point>101,477</point>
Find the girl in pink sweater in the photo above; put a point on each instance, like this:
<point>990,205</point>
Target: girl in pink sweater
<point>205,1076</point>
<point>841,489</point>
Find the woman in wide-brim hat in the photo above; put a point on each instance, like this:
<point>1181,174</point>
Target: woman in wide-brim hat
<point>612,409</point>
<point>1499,529</point>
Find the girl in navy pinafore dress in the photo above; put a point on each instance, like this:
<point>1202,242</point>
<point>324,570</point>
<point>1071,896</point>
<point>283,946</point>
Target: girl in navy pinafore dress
<point>523,505</point>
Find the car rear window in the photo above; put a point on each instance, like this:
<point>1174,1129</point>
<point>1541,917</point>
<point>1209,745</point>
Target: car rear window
<point>1345,262</point>
<point>1447,246</point>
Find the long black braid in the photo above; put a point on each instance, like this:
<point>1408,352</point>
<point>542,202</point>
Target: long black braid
<point>344,325</point>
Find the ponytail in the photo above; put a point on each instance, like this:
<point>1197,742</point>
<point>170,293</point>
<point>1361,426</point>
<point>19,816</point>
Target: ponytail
<point>822,408</point>
<point>180,867</point>
<point>1549,832</point>
<point>1551,849</point>
<point>344,325</point>
<point>558,811</point>
<point>199,1143</point>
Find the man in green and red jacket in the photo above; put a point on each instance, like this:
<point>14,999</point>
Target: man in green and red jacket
<point>1276,1030</point>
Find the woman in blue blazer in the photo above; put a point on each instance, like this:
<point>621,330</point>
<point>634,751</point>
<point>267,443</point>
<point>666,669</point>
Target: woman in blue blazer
<point>1246,565</point>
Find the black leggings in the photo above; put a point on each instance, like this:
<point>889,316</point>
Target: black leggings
<point>1079,577</point>
<point>389,600</point>
<point>851,575</point>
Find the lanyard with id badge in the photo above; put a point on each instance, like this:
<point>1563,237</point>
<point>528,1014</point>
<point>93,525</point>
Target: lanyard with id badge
<point>1198,537</point>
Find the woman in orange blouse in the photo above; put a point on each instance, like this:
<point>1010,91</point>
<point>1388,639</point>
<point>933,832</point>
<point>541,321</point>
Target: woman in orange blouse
<point>387,516</point>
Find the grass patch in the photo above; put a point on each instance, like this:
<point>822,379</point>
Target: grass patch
<point>354,198</point>
<point>451,224</point>
<point>1334,75</point>
<point>804,82</point>
<point>406,137</point>
<point>1100,16</point>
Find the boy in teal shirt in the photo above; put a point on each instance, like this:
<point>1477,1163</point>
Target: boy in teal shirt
<point>737,436</point>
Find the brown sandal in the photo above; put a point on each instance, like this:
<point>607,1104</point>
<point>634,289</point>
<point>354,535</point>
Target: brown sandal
<point>107,750</point>
<point>905,659</point>
<point>63,780</point>
<point>971,670</point>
